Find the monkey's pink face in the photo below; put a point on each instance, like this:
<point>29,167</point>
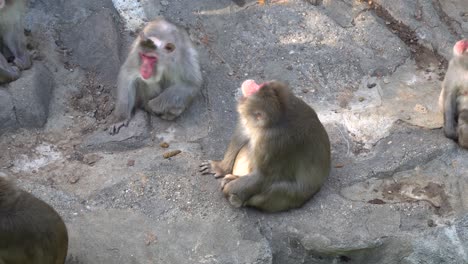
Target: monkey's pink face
<point>152,51</point>
<point>2,4</point>
<point>461,47</point>
<point>250,87</point>
<point>148,64</point>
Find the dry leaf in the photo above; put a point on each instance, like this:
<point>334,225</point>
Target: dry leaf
<point>171,153</point>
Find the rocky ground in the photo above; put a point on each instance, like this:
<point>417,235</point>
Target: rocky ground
<point>398,190</point>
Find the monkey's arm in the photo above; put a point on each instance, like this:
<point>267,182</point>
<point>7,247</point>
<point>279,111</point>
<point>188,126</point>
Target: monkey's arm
<point>450,113</point>
<point>13,38</point>
<point>7,72</point>
<point>126,99</point>
<point>223,167</point>
<point>173,100</point>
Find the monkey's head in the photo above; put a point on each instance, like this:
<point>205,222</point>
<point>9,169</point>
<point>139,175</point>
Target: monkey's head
<point>152,52</point>
<point>2,4</point>
<point>460,52</point>
<point>262,105</point>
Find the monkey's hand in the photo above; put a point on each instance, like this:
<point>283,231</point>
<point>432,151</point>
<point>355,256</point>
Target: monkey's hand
<point>115,128</point>
<point>172,101</point>
<point>213,167</point>
<point>23,61</point>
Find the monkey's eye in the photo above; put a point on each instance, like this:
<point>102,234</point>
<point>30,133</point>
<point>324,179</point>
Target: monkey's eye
<point>170,47</point>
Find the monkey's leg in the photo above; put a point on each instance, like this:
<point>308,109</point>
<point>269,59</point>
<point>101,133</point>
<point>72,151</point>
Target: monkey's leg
<point>126,100</point>
<point>173,100</point>
<point>239,190</point>
<point>450,115</point>
<point>13,38</point>
<point>281,196</point>
<point>223,167</point>
<point>8,73</point>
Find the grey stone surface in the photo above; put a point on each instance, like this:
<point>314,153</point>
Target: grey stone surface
<point>130,137</point>
<point>31,96</point>
<point>397,192</point>
<point>95,44</point>
<point>7,111</point>
<point>425,16</point>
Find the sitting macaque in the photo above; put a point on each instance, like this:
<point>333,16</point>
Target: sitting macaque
<point>161,74</point>
<point>31,232</point>
<point>12,39</point>
<point>279,155</point>
<point>454,96</point>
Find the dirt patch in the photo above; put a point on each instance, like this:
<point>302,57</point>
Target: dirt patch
<point>422,55</point>
<point>93,99</point>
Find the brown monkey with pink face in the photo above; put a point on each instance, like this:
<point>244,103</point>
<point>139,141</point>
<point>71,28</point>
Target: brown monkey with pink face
<point>454,96</point>
<point>279,155</point>
<point>31,231</point>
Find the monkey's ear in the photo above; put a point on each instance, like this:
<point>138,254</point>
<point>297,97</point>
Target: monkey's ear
<point>170,47</point>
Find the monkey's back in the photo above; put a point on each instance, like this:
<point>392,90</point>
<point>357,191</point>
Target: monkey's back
<point>314,143</point>
<point>304,155</point>
<point>31,231</point>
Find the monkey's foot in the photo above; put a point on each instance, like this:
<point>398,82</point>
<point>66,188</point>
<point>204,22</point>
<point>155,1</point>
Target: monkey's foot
<point>212,167</point>
<point>115,128</point>
<point>205,168</point>
<point>227,179</point>
<point>168,116</point>
<point>23,62</point>
<point>165,107</point>
<point>235,200</point>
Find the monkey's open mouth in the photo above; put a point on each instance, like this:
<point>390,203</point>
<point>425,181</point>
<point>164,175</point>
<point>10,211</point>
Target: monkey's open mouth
<point>148,62</point>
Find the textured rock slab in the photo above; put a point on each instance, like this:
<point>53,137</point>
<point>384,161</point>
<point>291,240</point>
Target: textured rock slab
<point>31,95</point>
<point>130,137</point>
<point>124,236</point>
<point>95,44</point>
<point>7,111</point>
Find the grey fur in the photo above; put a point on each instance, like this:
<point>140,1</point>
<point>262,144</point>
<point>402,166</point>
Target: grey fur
<point>171,89</point>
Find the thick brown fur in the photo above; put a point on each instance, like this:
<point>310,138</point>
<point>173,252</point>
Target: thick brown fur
<point>175,82</point>
<point>12,39</point>
<point>31,232</point>
<point>454,98</point>
<point>282,146</point>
